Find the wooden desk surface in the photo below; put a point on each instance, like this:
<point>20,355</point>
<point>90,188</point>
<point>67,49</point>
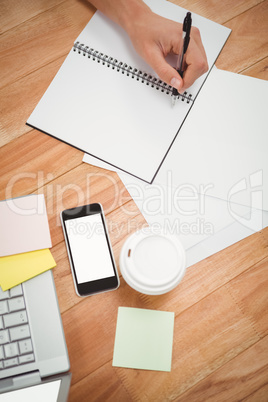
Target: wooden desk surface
<point>220,348</point>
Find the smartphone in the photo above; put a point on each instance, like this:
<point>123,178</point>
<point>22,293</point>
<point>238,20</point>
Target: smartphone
<point>89,250</point>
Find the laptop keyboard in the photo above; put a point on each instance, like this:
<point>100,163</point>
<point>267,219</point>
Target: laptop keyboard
<point>15,338</point>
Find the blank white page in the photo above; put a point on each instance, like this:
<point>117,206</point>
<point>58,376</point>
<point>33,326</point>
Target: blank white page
<point>121,121</point>
<point>224,142</point>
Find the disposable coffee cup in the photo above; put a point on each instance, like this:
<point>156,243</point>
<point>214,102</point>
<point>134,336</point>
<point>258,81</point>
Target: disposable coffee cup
<point>152,263</point>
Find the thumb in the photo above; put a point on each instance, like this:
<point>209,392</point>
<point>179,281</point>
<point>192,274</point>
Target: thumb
<point>165,72</point>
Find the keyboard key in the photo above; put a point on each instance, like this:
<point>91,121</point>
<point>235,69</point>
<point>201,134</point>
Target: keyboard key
<point>15,304</point>
<point>11,349</point>
<point>25,346</point>
<point>11,362</point>
<point>4,295</point>
<point>13,319</point>
<point>4,337</point>
<point>21,332</point>
<point>26,358</point>
<point>15,342</point>
<point>16,291</point>
<point>3,307</point>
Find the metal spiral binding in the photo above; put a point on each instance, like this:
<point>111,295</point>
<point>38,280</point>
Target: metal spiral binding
<point>134,73</point>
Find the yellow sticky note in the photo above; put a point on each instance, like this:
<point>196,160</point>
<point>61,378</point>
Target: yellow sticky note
<point>18,268</point>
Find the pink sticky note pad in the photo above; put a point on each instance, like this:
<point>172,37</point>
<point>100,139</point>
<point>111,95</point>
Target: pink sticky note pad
<point>23,225</point>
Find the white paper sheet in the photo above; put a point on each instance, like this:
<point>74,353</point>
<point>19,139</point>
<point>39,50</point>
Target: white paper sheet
<point>227,236</point>
<point>194,217</point>
<point>223,143</point>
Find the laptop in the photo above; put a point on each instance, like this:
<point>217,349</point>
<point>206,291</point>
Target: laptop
<point>34,363</point>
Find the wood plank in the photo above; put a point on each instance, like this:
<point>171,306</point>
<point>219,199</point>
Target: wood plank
<point>39,155</point>
<point>14,13</point>
<point>82,185</point>
<point>18,100</point>
<point>17,12</point>
<point>249,291</point>
<point>42,39</point>
<point>102,385</point>
<point>218,11</point>
<point>90,341</point>
<point>259,395</point>
<point>243,47</point>
<point>242,378</point>
<point>258,70</point>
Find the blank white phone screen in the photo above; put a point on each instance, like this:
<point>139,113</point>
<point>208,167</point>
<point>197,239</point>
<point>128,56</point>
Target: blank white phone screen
<point>89,248</point>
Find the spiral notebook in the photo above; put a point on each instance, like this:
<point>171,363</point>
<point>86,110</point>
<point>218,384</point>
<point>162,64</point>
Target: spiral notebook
<point>106,101</point>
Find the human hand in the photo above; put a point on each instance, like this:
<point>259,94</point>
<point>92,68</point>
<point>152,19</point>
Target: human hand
<point>154,37</point>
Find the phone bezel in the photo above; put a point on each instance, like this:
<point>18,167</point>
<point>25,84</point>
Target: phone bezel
<point>99,285</point>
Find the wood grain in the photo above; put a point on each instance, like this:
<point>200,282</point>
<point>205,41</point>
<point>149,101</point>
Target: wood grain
<point>235,380</point>
<point>248,43</point>
<point>220,12</point>
<point>220,338</point>
<point>41,39</point>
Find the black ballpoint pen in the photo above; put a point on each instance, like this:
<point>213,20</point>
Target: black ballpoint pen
<point>186,29</point>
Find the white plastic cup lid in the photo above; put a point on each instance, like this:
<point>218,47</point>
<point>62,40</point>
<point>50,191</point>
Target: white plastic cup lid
<point>152,263</point>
